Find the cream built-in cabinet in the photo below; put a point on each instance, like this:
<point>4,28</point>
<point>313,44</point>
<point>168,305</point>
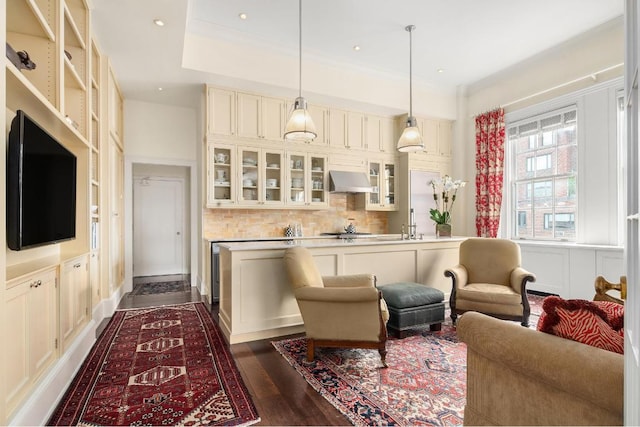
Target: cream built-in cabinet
<point>31,319</point>
<point>221,111</point>
<point>222,176</point>
<point>73,94</point>
<point>261,176</point>
<point>260,117</point>
<point>74,298</point>
<point>382,177</point>
<point>307,180</point>
<point>241,174</point>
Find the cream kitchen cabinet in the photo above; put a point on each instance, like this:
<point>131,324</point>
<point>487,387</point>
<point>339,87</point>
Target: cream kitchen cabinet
<point>355,130</point>
<point>445,138</point>
<point>337,128</point>
<point>75,295</point>
<point>260,117</point>
<point>30,314</point>
<point>320,117</point>
<point>379,134</point>
<point>261,176</point>
<point>307,180</point>
<point>221,111</point>
<point>382,177</point>
<point>221,175</point>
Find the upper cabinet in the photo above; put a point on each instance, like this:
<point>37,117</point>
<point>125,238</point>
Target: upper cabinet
<point>260,117</point>
<point>115,109</point>
<point>379,134</point>
<point>221,111</point>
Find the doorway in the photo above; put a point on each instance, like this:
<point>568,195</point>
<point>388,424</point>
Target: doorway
<point>161,238</point>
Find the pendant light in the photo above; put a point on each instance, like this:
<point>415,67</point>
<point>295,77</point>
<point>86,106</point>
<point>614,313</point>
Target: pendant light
<point>410,140</point>
<point>300,126</point>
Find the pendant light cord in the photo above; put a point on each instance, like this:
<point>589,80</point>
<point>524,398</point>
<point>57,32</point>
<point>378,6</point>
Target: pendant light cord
<point>300,48</point>
<point>410,29</point>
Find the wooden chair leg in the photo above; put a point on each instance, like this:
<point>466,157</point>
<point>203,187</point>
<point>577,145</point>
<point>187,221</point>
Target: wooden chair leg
<point>435,327</point>
<point>383,356</point>
<point>311,350</point>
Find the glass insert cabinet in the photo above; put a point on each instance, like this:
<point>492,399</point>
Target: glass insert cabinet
<point>264,177</point>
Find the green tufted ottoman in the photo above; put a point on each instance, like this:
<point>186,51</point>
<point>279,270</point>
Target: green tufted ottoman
<point>412,304</point>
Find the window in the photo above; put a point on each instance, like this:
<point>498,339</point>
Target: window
<point>543,183</point>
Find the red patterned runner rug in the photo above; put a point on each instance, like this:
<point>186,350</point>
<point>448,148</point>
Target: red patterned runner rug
<point>158,366</point>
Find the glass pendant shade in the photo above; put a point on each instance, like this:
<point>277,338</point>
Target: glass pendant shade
<point>300,126</point>
<point>410,141</point>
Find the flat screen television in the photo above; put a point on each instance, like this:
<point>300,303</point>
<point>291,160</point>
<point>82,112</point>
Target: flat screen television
<point>41,187</point>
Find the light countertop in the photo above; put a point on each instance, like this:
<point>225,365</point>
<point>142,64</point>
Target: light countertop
<point>369,240</point>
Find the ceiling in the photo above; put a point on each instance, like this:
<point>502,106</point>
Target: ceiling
<point>455,43</point>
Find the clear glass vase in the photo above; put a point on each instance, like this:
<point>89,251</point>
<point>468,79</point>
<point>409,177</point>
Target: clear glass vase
<point>443,230</point>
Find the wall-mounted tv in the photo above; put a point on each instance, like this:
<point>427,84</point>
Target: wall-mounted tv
<point>41,187</point>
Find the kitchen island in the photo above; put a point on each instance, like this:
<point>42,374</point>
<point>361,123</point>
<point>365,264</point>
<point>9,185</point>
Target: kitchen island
<point>256,301</point>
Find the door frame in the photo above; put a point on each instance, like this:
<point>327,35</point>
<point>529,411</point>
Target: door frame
<point>192,198</point>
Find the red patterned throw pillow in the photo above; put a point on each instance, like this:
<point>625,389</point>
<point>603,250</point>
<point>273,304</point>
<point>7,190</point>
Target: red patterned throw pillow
<point>596,323</point>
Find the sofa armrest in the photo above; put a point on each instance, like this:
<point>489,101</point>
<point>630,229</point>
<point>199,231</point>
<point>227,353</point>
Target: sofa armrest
<point>349,281</point>
<point>518,376</point>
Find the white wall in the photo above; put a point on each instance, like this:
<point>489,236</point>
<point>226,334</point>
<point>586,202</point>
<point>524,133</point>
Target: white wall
<point>158,134</point>
<point>160,131</point>
<point>556,72</point>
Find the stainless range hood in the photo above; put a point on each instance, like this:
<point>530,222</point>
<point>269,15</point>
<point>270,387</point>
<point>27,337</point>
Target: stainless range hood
<point>349,182</point>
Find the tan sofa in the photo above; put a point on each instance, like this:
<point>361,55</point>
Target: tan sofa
<point>519,376</point>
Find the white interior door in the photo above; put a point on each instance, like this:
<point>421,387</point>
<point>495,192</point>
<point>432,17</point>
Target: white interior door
<point>158,226</point>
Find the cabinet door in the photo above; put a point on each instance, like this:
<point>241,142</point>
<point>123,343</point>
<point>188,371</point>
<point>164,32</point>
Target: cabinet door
<point>248,115</point>
<point>319,180</point>
<point>74,299</point>
<point>272,164</point>
<point>319,117</point>
<point>222,178</point>
<point>430,136</point>
<point>337,128</point>
<point>249,179</point>
<point>388,177</point>
<point>445,135</point>
<point>42,323</point>
<point>388,140</point>
<point>373,198</point>
<point>272,118</point>
<point>94,277</point>
<point>16,360</point>
<point>297,179</point>
<point>221,111</point>
<point>355,130</point>
<point>373,134</point>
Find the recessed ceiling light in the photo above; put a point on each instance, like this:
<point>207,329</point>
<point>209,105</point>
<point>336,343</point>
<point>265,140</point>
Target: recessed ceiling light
<point>356,48</point>
<point>242,16</point>
<point>160,89</point>
<point>440,70</point>
<point>159,22</point>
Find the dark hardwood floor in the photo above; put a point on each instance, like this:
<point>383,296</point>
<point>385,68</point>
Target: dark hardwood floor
<point>281,395</point>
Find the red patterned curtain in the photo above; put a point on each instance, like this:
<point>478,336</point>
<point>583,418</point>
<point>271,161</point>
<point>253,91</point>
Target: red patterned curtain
<point>489,171</point>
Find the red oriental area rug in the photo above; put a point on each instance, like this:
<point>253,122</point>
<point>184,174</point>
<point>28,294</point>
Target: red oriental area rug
<point>423,385</point>
<point>158,366</point>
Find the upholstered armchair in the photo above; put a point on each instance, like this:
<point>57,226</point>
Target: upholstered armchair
<point>490,280</point>
<point>338,311</point>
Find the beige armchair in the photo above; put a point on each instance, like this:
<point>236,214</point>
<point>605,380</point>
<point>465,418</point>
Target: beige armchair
<point>338,311</point>
<point>490,280</point>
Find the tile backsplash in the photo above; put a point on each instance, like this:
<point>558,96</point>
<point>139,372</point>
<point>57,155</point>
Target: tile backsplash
<point>249,223</point>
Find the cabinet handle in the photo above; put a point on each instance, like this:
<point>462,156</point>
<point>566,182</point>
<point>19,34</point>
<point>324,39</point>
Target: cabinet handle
<point>76,265</point>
